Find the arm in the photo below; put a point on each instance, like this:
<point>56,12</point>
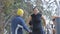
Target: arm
<point>24,25</point>
<point>44,22</point>
<point>29,19</point>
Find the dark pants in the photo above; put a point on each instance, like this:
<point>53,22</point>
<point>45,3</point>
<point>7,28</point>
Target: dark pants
<point>38,31</point>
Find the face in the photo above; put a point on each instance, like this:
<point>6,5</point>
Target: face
<point>35,11</point>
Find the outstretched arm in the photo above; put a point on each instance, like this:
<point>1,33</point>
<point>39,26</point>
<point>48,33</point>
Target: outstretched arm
<point>25,25</point>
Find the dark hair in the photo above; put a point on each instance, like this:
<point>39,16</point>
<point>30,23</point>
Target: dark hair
<point>53,19</point>
<point>34,8</point>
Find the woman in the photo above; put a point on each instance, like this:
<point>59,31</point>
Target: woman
<point>35,18</point>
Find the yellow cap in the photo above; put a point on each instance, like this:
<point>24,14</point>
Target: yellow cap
<point>20,12</point>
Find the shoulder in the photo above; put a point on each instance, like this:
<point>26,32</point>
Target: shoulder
<point>40,14</point>
<point>32,15</point>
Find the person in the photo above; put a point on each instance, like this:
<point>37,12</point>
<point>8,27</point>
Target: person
<point>54,30</point>
<point>18,23</point>
<point>35,21</point>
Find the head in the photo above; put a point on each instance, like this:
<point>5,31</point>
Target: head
<point>35,10</point>
<point>20,12</point>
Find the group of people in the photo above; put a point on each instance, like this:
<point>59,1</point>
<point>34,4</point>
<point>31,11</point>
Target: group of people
<point>18,23</point>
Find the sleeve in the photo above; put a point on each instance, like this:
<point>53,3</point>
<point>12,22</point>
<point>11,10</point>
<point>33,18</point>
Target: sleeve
<point>24,25</point>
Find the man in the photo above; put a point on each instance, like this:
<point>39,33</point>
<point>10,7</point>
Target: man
<point>56,22</point>
<point>18,23</point>
<point>35,19</point>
